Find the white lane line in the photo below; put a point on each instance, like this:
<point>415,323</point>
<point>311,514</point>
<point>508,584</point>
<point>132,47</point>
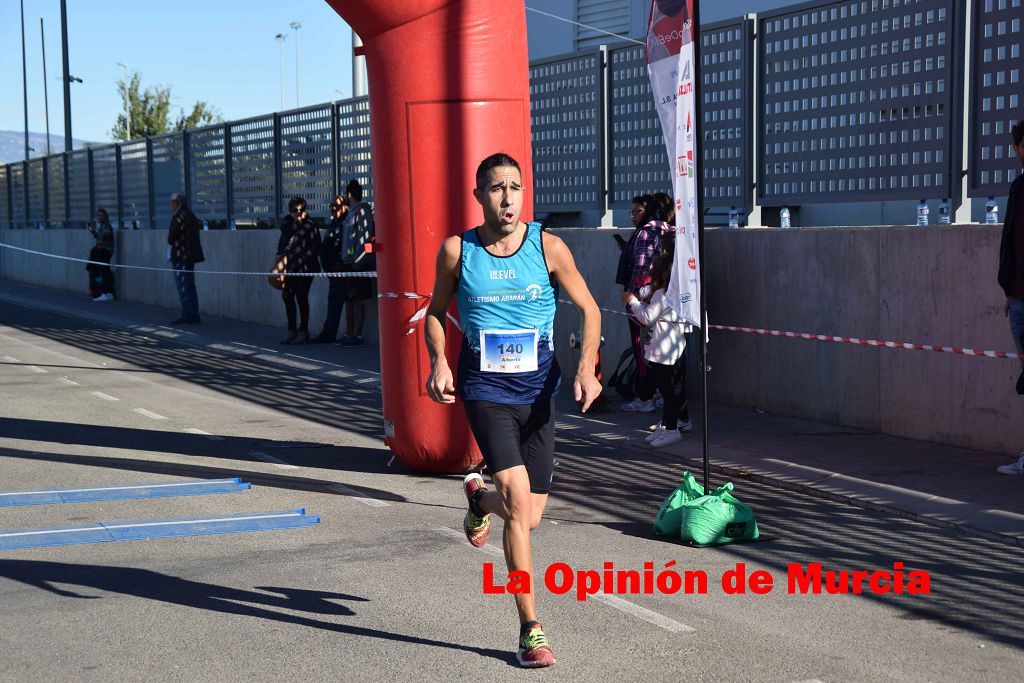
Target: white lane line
<point>461,536</point>
<point>615,601</point>
<point>643,613</point>
<point>148,413</point>
<point>105,397</point>
<point>175,522</point>
<point>200,432</point>
<point>35,368</point>
<point>10,359</point>
<point>69,382</point>
<point>276,462</point>
<point>205,482</point>
<point>352,493</point>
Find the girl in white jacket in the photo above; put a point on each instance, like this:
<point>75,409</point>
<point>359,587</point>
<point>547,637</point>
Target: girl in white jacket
<point>666,343</point>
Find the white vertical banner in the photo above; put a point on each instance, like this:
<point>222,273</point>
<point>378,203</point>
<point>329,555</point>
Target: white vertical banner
<point>670,64</point>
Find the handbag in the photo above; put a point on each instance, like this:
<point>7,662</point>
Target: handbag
<point>276,277</point>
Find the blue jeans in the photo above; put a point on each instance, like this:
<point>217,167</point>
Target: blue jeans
<point>1017,324</point>
<point>185,281</point>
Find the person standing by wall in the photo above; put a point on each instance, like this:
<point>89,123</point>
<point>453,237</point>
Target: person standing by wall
<point>330,260</point>
<point>299,245</point>
<point>358,230</point>
<point>185,250</point>
<point>645,247</point>
<point>101,278</point>
<point>1011,271</point>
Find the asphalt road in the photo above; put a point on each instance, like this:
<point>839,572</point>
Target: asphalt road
<point>383,588</point>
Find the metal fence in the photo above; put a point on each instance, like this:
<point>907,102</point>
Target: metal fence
<point>850,100</point>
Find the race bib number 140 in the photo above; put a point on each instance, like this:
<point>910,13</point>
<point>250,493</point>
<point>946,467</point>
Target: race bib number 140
<point>508,350</point>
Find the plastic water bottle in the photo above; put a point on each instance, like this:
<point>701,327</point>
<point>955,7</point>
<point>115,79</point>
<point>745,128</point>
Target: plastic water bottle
<point>944,217</point>
<point>922,213</point>
<point>991,211</point>
<point>734,218</point>
<point>784,220</point>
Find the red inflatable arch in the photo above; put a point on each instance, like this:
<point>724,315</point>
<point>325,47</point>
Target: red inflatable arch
<point>449,85</point>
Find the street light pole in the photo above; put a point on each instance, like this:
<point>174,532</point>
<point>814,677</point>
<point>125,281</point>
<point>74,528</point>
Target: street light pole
<point>67,75</point>
<point>127,103</point>
<point>296,26</point>
<point>280,38</point>
<point>24,76</point>
<point>46,88</point>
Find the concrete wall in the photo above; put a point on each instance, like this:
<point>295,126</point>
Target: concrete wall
<point>932,286</point>
<point>247,298</point>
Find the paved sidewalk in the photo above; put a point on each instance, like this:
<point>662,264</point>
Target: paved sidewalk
<point>945,485</point>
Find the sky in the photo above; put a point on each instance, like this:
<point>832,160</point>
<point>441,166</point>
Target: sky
<point>220,51</point>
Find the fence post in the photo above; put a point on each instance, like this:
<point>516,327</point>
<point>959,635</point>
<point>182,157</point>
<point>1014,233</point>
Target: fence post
<point>229,179</point>
<point>754,219</point>
<point>604,90</point>
<point>151,209</point>
<point>92,187</point>
<point>186,165</point>
<point>964,204</point>
<point>276,206</point>
<point>117,185</point>
<point>67,189</point>
<point>46,192</point>
<point>335,152</point>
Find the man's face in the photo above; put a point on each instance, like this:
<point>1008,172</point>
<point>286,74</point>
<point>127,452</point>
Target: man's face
<point>501,198</point>
<point>1019,149</point>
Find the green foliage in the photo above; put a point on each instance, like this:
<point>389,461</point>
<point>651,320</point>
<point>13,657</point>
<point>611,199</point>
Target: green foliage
<point>151,111</point>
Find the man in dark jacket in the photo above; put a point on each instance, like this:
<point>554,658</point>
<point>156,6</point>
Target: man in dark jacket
<point>330,259</point>
<point>1011,270</point>
<point>184,252</point>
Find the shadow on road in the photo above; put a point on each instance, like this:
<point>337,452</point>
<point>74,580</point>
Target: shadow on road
<point>142,583</point>
<point>975,583</point>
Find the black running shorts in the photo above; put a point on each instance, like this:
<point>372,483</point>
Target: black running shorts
<point>512,435</point>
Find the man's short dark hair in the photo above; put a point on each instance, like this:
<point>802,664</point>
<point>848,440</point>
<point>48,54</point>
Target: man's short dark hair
<point>295,203</point>
<point>355,189</point>
<point>499,160</point>
<point>1018,134</point>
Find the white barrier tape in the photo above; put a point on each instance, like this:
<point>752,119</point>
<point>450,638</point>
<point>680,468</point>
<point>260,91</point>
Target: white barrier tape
<point>171,270</point>
<point>421,310</point>
<point>847,340</point>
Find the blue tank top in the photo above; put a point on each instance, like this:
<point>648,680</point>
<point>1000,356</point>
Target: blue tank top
<point>499,294</point>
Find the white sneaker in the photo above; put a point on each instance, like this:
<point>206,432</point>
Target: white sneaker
<point>685,427</point>
<point>1016,468</point>
<point>659,429</point>
<point>666,438</point>
<point>638,406</point>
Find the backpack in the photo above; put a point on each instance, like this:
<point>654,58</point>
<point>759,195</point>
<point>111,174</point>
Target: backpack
<point>622,377</point>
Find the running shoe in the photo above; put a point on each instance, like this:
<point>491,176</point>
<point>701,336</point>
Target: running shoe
<point>1013,469</point>
<point>658,431</point>
<point>685,426</point>
<point>666,438</point>
<point>534,649</point>
<point>638,406</point>
<point>477,528</point>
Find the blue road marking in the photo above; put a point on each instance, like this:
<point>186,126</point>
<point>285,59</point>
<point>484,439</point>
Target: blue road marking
<point>126,492</point>
<point>156,528</point>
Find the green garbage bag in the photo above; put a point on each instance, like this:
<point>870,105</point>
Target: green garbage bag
<point>717,518</point>
<point>670,514</point>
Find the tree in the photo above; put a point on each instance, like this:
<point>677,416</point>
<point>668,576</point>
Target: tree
<point>150,111</point>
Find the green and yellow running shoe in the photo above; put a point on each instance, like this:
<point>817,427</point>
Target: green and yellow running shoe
<point>534,649</point>
<point>477,528</point>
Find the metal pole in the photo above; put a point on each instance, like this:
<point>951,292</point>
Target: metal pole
<point>280,38</point>
<point>699,167</point>
<point>127,104</point>
<point>24,82</point>
<point>67,76</point>
<point>358,67</point>
<point>296,26</point>
<point>46,89</point>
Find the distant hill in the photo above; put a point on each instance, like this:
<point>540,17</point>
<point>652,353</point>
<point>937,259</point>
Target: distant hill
<point>12,145</point>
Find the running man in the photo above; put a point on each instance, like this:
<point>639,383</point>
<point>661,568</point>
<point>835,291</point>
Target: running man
<point>504,276</point>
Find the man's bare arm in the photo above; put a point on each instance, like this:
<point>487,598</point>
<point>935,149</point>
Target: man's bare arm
<point>440,385</point>
<point>563,267</point>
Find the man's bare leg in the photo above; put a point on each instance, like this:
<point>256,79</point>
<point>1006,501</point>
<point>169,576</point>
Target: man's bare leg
<point>521,511</point>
